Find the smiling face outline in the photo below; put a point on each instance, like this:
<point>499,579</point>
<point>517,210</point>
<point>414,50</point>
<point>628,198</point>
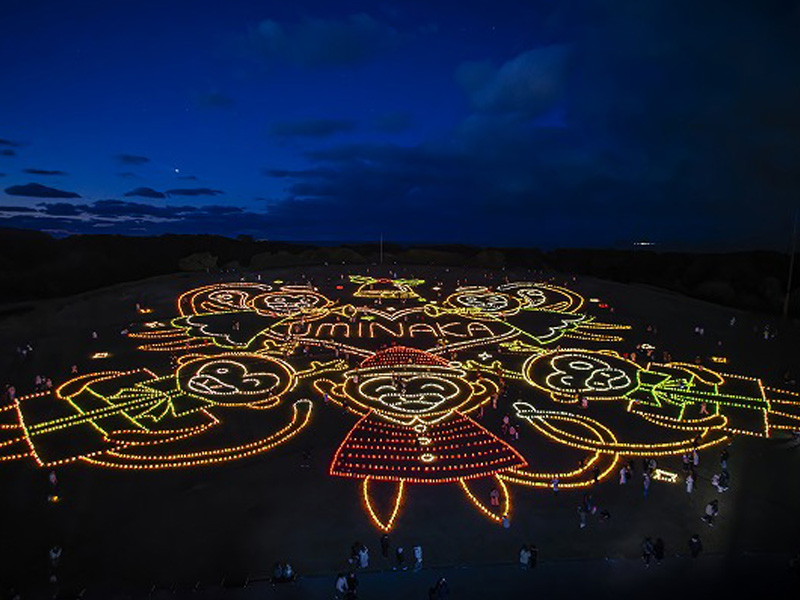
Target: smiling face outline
<point>235,379</point>
<point>485,302</point>
<point>418,393</point>
<point>408,391</point>
<point>573,373</point>
<point>533,296</point>
<point>288,303</point>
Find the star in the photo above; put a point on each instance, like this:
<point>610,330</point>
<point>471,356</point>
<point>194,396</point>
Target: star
<point>484,356</point>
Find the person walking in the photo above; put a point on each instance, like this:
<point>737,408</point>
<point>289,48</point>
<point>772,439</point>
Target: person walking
<point>647,551</point>
<point>352,586</point>
<point>534,557</point>
<point>524,557</point>
<point>658,550</point>
<point>363,557</point>
<point>712,508</point>
<point>645,483</point>
<point>400,559</point>
<point>723,459</point>
<point>695,545</point>
<point>55,560</point>
<point>417,557</point>
<point>689,483</point>
<point>582,516</point>
<point>341,587</point>
<point>385,545</point>
<point>442,589</point>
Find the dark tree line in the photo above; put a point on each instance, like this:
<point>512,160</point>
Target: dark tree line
<point>34,265</point>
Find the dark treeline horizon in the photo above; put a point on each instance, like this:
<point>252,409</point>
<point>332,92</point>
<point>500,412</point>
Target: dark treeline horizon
<point>36,266</point>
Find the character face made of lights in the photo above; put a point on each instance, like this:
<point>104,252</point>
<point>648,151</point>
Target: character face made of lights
<point>543,296</point>
<point>289,303</point>
<point>484,302</point>
<point>235,299</point>
<point>572,373</point>
<point>220,298</point>
<point>409,392</point>
<point>416,393</point>
<point>236,379</point>
<point>533,297</point>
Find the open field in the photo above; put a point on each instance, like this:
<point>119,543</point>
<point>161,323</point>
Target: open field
<point>180,518</point>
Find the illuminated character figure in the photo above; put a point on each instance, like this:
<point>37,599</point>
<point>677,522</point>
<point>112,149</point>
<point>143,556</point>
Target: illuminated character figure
<point>237,316</point>
<point>536,314</point>
<point>543,296</point>
<point>138,420</point>
<point>251,316</point>
<point>415,429</point>
<point>479,301</point>
<point>384,288</point>
<point>669,396</point>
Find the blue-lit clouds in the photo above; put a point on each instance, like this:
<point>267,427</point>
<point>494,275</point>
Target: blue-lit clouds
<point>322,42</point>
<point>37,190</point>
<point>132,159</point>
<point>552,123</point>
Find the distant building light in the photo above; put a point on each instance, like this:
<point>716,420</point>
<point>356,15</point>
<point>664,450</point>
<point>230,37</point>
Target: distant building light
<point>97,355</point>
<point>644,243</point>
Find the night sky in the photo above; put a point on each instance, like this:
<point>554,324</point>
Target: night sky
<point>540,123</point>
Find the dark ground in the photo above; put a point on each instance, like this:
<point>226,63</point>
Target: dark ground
<point>123,532</point>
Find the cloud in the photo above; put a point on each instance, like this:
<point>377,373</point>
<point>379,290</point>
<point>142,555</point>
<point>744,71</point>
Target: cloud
<point>188,177</point>
<point>528,84</point>
<point>5,142</point>
<point>144,192</point>
<point>129,175</point>
<point>61,209</point>
<point>122,208</point>
<point>2,174</point>
<point>7,152</point>
<point>36,190</point>
<point>322,42</point>
<point>278,173</point>
<point>17,209</point>
<point>43,172</point>
<point>195,192</point>
<point>134,218</point>
<point>132,159</point>
<point>613,134</point>
<point>312,128</point>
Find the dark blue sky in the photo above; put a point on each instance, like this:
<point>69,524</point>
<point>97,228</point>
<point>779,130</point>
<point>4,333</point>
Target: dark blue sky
<point>553,123</point>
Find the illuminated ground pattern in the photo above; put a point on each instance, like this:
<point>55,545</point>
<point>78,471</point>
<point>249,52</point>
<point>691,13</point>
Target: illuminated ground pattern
<point>416,365</point>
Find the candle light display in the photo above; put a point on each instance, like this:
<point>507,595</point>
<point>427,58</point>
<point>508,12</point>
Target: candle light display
<point>416,374</point>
